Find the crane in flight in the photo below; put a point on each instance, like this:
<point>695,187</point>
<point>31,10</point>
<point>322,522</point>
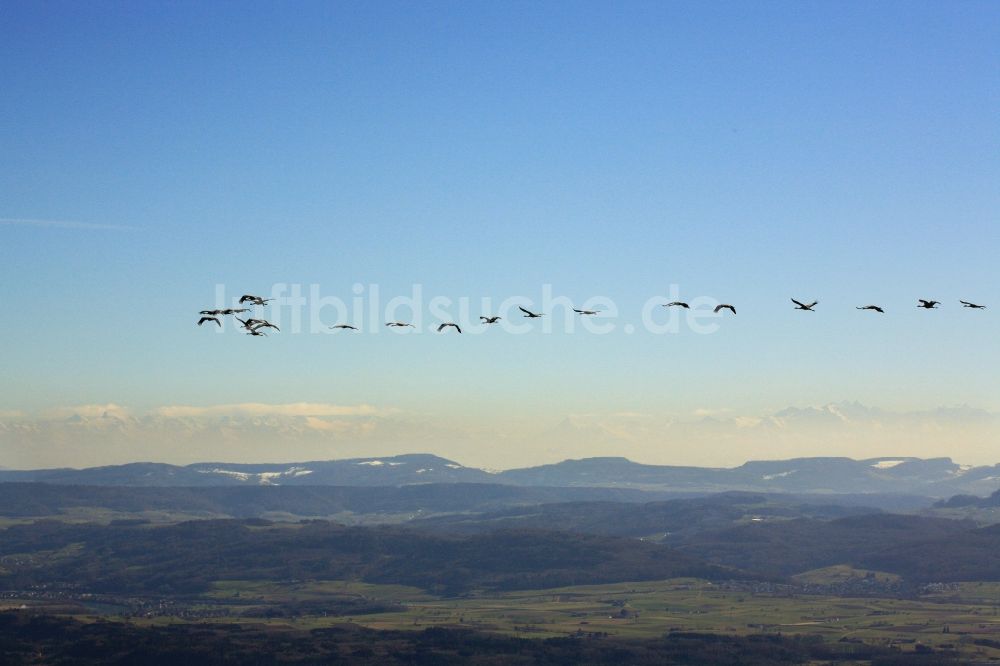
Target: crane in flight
<point>529,314</point>
<point>803,306</point>
<point>253,300</point>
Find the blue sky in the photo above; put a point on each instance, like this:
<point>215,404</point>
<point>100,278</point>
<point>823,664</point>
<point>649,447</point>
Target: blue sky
<point>844,152</point>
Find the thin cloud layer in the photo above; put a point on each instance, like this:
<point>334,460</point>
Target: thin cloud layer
<point>98,434</point>
<point>110,410</point>
<point>304,409</point>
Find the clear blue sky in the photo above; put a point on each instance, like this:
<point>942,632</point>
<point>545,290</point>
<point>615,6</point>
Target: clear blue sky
<point>748,152</point>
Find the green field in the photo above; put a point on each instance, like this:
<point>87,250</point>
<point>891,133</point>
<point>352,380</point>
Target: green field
<point>651,609</point>
<point>956,616</point>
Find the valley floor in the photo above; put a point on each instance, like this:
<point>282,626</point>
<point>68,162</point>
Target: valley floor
<point>959,620</point>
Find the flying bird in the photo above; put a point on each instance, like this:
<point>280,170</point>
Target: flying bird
<point>204,319</point>
<point>490,320</point>
<point>967,304</point>
<point>255,300</point>
<point>265,324</point>
<point>251,323</point>
<point>446,325</point>
<point>724,306</point>
<point>399,324</point>
<point>586,312</point>
<point>928,305</point>
<point>803,306</point>
<point>229,311</point>
<point>872,307</point>
<point>212,312</point>
<point>353,328</point>
<point>528,313</point>
<point>677,303</point>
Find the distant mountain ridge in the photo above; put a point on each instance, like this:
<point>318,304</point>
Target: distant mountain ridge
<point>934,477</point>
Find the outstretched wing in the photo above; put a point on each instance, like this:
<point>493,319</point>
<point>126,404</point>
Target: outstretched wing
<point>801,305</point>
<point>527,312</point>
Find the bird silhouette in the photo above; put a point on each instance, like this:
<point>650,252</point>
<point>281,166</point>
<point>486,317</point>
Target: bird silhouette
<point>490,320</point>
<point>204,319</point>
<point>872,307</point>
<point>255,300</point>
<point>967,304</point>
<point>586,312</point>
<point>803,306</point>
<point>528,313</point>
<point>250,323</point>
<point>447,324</point>
<point>724,306</point>
<point>928,305</point>
<point>353,328</point>
<point>399,324</point>
<point>677,303</point>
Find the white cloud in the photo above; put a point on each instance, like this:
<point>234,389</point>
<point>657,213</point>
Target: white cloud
<point>102,434</point>
<point>304,409</point>
<point>98,434</point>
<point>708,411</point>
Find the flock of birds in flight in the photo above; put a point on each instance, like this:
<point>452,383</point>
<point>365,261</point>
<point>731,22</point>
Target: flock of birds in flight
<point>253,326</point>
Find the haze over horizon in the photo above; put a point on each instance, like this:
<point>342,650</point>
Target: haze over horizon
<point>93,435</point>
<point>157,158</point>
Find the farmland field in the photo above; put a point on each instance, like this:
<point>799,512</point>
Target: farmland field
<point>962,617</point>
